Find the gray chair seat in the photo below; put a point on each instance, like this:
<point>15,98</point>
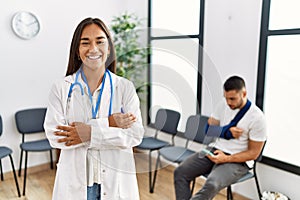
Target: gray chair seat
<point>246,177</point>
<point>40,145</point>
<point>152,143</point>
<point>4,151</point>
<point>175,153</point>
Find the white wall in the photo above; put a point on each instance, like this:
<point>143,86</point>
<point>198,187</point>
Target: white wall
<point>29,67</point>
<point>231,41</point>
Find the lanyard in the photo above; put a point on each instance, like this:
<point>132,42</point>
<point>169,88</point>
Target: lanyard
<point>96,109</point>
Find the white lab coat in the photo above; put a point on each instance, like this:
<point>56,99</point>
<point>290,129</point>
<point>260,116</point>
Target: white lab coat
<point>115,144</point>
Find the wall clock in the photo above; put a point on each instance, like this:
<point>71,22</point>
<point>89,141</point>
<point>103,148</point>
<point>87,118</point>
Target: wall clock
<point>25,25</point>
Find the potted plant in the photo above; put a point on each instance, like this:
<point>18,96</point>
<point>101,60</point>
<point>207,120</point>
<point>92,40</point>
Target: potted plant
<point>131,53</point>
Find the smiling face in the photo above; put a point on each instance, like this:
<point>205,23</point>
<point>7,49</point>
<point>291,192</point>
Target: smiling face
<point>93,47</point>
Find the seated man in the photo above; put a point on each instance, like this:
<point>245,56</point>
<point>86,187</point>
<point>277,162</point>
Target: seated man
<point>241,141</point>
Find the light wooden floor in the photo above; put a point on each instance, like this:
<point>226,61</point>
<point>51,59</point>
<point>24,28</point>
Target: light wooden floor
<point>40,184</point>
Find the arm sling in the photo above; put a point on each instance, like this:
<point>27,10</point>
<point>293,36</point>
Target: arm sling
<point>223,131</point>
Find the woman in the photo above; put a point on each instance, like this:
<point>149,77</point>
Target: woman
<point>93,116</point>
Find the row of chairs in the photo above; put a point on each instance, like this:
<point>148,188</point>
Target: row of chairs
<point>28,121</point>
<point>166,121</point>
<point>31,121</point>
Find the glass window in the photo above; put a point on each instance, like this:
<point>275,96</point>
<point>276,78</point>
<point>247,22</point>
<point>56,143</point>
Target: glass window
<point>174,76</point>
<point>284,14</point>
<point>178,17</point>
<point>282,97</point>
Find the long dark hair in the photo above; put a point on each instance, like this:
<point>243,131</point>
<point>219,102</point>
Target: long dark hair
<point>75,63</point>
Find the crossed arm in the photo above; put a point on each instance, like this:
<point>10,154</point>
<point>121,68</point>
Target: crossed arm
<point>79,132</point>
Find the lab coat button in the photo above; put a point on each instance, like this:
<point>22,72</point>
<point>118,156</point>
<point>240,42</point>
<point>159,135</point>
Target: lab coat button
<point>104,193</point>
<point>103,170</point>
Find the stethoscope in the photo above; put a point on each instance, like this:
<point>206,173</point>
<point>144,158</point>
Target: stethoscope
<point>96,108</point>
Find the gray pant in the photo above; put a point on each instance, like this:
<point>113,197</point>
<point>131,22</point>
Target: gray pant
<point>220,176</point>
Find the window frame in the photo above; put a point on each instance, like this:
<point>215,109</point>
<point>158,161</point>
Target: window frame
<point>261,76</point>
<point>198,36</point>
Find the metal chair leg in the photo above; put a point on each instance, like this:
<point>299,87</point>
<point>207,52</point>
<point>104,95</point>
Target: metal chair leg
<point>51,160</point>
<point>155,173</point>
<point>257,184</point>
<point>152,180</point>
<point>150,172</point>
<point>1,171</point>
<point>25,172</point>
<point>15,176</point>
<point>193,186</point>
<point>229,193</point>
<point>20,165</point>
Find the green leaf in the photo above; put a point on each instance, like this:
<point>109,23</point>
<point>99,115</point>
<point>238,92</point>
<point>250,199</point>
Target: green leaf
<point>131,55</point>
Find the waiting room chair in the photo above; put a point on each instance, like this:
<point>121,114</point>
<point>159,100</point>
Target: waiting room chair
<point>31,121</point>
<point>250,174</point>
<point>194,131</point>
<point>5,151</point>
<point>165,121</point>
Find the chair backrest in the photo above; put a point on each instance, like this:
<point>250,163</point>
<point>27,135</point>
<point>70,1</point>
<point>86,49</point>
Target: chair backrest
<point>30,120</point>
<point>167,121</point>
<point>192,126</point>
<point>1,128</point>
<point>195,128</point>
<point>259,158</point>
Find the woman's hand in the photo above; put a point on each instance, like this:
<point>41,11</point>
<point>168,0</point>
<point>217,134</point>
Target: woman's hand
<point>121,120</point>
<point>76,133</point>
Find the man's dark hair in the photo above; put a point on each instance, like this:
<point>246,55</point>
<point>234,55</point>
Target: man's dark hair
<point>234,83</point>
